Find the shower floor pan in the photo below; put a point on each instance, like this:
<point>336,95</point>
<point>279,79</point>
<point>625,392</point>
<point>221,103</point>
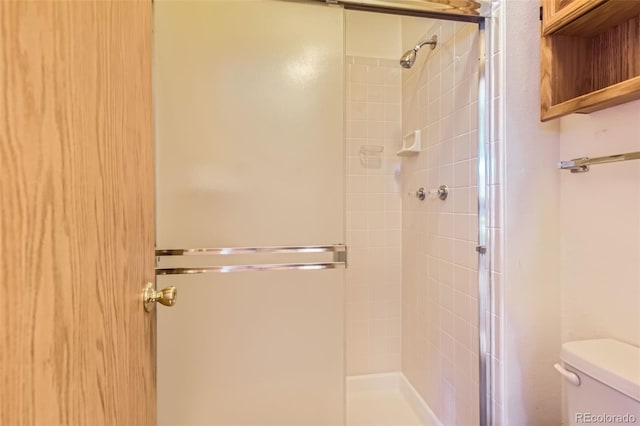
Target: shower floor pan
<point>385,400</point>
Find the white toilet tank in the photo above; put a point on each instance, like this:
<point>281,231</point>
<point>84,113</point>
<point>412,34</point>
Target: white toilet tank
<point>602,383</point>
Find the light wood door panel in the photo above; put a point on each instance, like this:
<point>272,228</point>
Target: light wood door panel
<point>77,213</point>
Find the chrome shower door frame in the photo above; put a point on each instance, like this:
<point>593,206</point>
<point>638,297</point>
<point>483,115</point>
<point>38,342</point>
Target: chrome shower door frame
<point>484,250</point>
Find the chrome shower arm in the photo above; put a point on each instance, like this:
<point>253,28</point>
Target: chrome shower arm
<point>433,43</point>
<point>409,56</point>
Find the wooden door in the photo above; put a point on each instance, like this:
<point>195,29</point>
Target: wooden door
<point>77,213</point>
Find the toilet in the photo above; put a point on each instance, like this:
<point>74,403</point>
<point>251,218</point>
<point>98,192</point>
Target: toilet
<point>602,382</point>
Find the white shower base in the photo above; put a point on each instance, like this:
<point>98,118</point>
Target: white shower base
<point>386,400</point>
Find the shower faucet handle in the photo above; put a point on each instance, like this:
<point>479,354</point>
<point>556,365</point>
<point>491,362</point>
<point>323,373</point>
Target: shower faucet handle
<point>441,192</point>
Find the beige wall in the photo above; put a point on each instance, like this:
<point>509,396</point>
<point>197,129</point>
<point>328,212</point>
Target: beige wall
<point>572,242</point>
<point>415,29</point>
<point>600,222</point>
<point>531,268</point>
<point>439,263</point>
<point>372,35</point>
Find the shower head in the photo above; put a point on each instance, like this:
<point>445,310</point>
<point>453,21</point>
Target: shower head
<point>409,58</point>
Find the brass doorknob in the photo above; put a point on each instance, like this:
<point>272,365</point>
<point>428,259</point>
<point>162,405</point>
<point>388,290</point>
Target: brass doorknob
<point>167,296</point>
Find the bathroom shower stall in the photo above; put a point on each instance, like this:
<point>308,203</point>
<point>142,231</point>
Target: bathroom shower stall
<point>320,209</point>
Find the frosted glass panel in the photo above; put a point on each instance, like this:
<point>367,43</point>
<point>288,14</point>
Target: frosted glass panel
<point>249,131</point>
<point>249,118</point>
<point>252,348</point>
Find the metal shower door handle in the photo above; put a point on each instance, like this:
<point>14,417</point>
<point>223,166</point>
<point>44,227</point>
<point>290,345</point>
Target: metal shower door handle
<point>167,296</point>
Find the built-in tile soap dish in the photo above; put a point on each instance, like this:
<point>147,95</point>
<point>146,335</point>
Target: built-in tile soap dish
<point>371,156</point>
<point>410,144</point>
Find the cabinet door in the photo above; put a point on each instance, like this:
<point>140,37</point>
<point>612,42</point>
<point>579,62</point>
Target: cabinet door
<point>558,13</point>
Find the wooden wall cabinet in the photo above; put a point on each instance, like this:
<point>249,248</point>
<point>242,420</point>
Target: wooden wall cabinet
<point>590,55</point>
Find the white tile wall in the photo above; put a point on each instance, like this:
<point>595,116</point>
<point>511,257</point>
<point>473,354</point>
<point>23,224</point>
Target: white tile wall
<point>374,219</point>
<point>439,263</point>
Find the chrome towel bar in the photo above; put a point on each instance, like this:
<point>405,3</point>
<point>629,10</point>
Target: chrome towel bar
<point>247,268</point>
<point>336,248</point>
<point>581,165</point>
<point>339,259</point>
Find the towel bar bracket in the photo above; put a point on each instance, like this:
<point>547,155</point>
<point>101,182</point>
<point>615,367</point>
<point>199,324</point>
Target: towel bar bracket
<point>581,165</point>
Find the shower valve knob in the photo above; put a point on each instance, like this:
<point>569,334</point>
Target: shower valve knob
<point>441,192</point>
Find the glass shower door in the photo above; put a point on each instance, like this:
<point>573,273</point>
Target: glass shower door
<point>249,141</point>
